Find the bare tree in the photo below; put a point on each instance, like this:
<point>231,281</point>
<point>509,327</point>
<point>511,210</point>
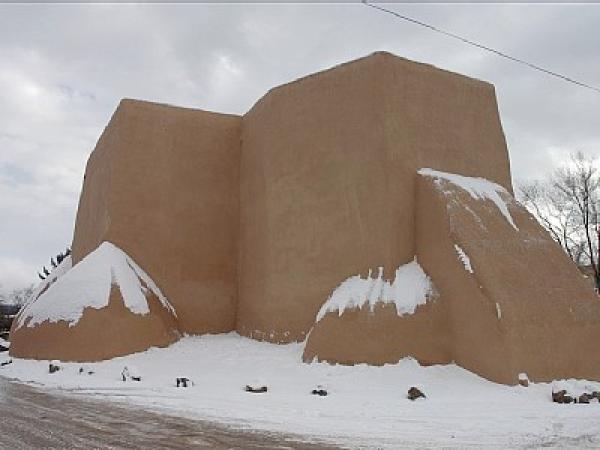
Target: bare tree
<point>566,204</point>
<point>17,296</point>
<point>20,296</point>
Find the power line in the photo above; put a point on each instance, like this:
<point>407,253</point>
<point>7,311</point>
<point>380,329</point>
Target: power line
<point>481,46</point>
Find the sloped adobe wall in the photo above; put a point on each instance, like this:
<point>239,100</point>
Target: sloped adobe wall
<point>99,334</point>
<point>105,306</point>
<point>510,300</point>
<point>535,312</point>
<point>475,334</point>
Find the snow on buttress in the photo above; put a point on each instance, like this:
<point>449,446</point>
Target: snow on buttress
<point>88,284</point>
<point>479,188</point>
<point>464,258</point>
<point>57,272</point>
<point>64,266</point>
<point>411,287</point>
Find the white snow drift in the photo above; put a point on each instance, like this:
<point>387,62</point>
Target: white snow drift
<point>411,287</point>
<point>478,188</point>
<point>88,284</point>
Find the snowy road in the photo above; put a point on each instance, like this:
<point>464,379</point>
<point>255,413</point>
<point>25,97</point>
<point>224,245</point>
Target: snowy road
<point>30,418</point>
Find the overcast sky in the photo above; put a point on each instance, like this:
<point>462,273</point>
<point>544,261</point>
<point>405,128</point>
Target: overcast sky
<point>64,68</point>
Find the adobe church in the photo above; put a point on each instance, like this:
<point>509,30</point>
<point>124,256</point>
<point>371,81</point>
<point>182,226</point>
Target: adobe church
<point>366,210</point>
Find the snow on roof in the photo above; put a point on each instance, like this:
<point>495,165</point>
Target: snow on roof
<point>410,288</point>
<point>479,188</point>
<point>88,284</point>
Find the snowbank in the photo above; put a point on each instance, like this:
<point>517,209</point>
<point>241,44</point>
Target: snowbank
<point>478,188</point>
<point>88,284</point>
<point>411,287</point>
<point>366,406</point>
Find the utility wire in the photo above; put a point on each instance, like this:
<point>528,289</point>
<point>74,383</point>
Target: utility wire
<point>481,46</point>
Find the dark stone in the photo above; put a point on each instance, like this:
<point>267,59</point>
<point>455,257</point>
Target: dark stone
<point>584,398</point>
<point>6,363</point>
<point>52,368</point>
<point>595,394</point>
<point>3,349</point>
<point>319,392</point>
<point>558,397</point>
<point>183,382</point>
<point>414,393</point>
<point>136,378</point>
<point>256,390</point>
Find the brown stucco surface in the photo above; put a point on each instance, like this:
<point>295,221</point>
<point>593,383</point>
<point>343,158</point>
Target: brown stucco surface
<point>524,309</point>
<point>100,333</point>
<point>550,318</point>
<point>328,176</point>
<point>162,184</point>
<point>249,223</point>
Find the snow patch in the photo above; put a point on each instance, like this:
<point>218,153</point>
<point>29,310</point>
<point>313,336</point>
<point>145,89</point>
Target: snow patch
<point>498,311</point>
<point>88,284</point>
<point>523,376</point>
<point>464,258</point>
<point>411,287</point>
<point>65,265</point>
<point>478,188</point>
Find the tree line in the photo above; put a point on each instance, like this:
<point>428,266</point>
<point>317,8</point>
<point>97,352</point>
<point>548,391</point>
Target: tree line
<point>566,203</point>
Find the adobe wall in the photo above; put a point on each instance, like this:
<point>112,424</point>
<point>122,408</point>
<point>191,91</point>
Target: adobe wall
<point>442,120</point>
<point>100,333</point>
<point>524,307</point>
<point>382,336</point>
<point>536,313</point>
<point>163,185</point>
<point>475,335</point>
<point>328,176</point>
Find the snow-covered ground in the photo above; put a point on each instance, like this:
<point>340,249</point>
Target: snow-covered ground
<point>366,406</point>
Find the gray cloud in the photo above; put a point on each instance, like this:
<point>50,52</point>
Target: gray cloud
<point>63,69</point>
